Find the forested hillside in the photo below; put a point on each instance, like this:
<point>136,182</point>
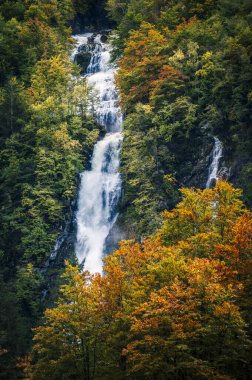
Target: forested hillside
<point>184,76</point>
<point>45,139</point>
<point>174,301</point>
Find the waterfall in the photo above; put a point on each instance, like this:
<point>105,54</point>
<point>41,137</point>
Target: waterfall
<point>214,166</point>
<point>100,186</point>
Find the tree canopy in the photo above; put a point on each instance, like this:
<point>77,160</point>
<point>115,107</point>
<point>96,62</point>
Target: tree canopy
<point>175,306</point>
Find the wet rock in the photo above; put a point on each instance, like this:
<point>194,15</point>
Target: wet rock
<point>199,162</point>
<point>116,235</point>
<point>104,38</point>
<point>83,59</point>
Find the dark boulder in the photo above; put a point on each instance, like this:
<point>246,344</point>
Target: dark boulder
<point>104,38</point>
<point>83,59</point>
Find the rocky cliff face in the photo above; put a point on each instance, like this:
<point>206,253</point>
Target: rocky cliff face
<point>240,174</point>
<point>94,19</point>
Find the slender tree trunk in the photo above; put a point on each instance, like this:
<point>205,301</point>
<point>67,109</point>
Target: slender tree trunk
<point>94,359</point>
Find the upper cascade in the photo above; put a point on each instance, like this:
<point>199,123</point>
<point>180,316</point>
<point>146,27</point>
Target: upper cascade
<point>100,187</point>
<point>100,75</point>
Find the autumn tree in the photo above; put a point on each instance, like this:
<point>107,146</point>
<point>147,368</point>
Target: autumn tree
<point>166,308</point>
<point>189,329</point>
<point>140,65</point>
<point>70,344</point>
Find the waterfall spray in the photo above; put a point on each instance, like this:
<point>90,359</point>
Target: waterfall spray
<point>100,187</point>
<point>214,166</point>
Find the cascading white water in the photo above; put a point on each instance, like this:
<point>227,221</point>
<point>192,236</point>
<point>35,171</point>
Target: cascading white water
<point>214,167</point>
<point>100,187</point>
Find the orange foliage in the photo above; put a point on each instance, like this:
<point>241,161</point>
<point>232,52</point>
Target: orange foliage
<point>186,24</point>
<point>171,302</point>
<point>141,63</point>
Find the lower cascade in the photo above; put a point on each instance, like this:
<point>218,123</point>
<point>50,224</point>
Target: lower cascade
<point>214,166</point>
<point>100,186</point>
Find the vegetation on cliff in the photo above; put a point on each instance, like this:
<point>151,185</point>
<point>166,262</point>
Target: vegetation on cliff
<point>185,75</point>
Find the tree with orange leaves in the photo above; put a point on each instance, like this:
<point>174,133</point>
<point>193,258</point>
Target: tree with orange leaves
<point>190,329</point>
<point>174,307</point>
<point>140,65</point>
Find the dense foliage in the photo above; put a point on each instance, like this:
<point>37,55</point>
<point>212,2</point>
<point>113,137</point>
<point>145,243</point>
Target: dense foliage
<point>185,75</point>
<point>45,138</point>
<point>176,306</point>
